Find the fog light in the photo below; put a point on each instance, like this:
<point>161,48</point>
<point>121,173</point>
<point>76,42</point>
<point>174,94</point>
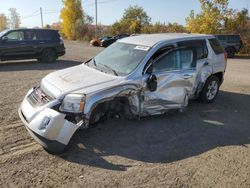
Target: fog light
<point>45,123</point>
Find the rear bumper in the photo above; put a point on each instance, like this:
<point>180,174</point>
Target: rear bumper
<point>61,53</point>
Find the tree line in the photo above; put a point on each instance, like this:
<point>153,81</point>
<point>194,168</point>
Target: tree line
<point>215,17</point>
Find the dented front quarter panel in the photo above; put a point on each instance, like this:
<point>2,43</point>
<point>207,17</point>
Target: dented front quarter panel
<point>127,88</point>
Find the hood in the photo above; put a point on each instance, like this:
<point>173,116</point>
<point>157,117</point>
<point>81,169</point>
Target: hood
<point>76,78</point>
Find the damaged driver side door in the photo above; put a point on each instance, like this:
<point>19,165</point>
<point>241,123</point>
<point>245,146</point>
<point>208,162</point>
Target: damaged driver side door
<point>168,81</point>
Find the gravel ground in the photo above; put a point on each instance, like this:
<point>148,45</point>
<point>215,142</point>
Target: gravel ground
<point>206,146</point>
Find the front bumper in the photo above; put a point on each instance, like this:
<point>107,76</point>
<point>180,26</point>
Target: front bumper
<point>50,145</point>
<point>47,126</point>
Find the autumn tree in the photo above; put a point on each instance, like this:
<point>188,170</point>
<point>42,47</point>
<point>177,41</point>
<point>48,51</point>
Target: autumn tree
<point>211,19</point>
<point>14,19</point>
<point>3,22</point>
<point>216,18</point>
<point>72,19</point>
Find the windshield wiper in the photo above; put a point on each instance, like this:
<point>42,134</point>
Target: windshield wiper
<point>115,73</point>
<point>87,62</point>
<point>94,62</point>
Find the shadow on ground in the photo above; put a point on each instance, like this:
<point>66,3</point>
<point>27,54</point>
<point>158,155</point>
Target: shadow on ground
<point>242,57</point>
<point>35,65</point>
<point>165,138</point>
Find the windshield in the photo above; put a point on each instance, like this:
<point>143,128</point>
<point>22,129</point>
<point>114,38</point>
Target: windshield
<point>3,32</point>
<point>120,58</point>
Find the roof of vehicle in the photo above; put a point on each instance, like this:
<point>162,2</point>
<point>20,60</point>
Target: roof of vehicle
<point>152,39</point>
<point>226,34</point>
<point>34,29</point>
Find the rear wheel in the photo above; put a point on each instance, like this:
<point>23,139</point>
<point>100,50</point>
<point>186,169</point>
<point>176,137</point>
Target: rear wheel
<point>210,89</point>
<point>230,52</point>
<point>48,56</point>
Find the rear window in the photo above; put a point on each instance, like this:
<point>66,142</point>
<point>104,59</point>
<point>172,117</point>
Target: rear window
<point>233,38</point>
<point>216,46</point>
<point>50,35</point>
<point>199,45</point>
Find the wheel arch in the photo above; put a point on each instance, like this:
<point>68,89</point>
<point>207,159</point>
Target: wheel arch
<point>202,82</point>
<point>124,97</point>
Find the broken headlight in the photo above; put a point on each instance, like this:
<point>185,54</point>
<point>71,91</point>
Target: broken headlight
<point>73,103</point>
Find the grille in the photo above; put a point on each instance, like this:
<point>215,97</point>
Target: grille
<point>39,98</point>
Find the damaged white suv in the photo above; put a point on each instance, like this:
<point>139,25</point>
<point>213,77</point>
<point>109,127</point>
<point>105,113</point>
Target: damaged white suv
<point>136,76</point>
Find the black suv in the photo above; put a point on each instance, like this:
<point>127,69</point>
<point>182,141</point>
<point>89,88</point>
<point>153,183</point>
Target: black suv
<point>46,45</point>
<point>231,43</point>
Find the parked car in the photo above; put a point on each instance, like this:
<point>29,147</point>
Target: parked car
<point>108,41</point>
<point>231,43</point>
<point>43,44</point>
<point>134,77</point>
<point>104,38</point>
<point>98,42</point>
<point>95,42</point>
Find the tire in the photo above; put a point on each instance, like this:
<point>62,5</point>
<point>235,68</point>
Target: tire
<point>210,89</point>
<point>48,56</point>
<point>230,52</point>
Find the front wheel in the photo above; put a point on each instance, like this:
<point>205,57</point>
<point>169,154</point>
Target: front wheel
<point>230,52</point>
<point>210,89</point>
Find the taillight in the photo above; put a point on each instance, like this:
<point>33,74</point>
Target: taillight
<point>225,56</point>
<point>61,40</point>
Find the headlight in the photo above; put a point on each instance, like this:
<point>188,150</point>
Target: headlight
<point>73,103</point>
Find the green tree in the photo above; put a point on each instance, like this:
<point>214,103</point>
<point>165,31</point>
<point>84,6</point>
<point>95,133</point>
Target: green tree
<point>47,26</point>
<point>3,22</point>
<point>132,21</point>
<point>164,28</point>
<point>72,18</point>
<point>14,19</point>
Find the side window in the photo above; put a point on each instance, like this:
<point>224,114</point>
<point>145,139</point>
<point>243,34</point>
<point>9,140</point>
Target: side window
<point>175,60</point>
<point>166,62</point>
<point>33,35</point>
<point>15,36</point>
<point>216,46</point>
<point>199,45</point>
<point>186,59</point>
<point>156,55</point>
<point>222,37</point>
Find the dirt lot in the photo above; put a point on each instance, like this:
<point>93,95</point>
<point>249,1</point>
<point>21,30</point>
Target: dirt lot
<point>206,146</point>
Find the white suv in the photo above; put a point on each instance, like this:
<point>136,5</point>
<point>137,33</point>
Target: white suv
<point>136,76</point>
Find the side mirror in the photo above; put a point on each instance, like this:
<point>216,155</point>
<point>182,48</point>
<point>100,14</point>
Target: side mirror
<point>152,83</point>
<point>4,39</point>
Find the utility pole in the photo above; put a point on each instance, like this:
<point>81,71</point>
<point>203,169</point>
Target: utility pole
<point>41,12</point>
<point>96,18</point>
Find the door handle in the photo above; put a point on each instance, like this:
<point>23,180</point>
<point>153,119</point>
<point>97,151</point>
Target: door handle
<point>23,43</point>
<point>187,76</point>
<point>206,63</point>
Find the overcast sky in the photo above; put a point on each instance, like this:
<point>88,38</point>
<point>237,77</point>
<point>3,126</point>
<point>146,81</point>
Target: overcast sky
<point>108,10</point>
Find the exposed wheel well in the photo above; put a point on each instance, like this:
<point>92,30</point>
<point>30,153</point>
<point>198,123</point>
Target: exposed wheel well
<point>220,76</point>
<point>118,105</point>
